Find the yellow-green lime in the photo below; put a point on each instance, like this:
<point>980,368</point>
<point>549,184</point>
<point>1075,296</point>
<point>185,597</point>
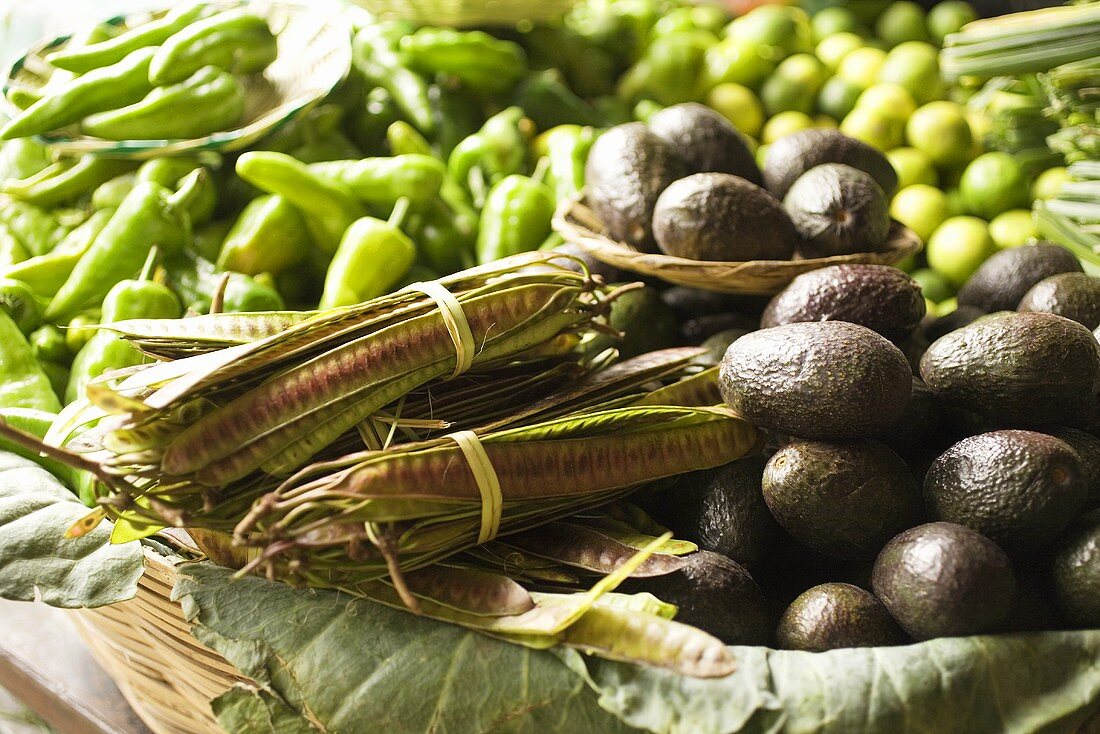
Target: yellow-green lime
<point>775,25</point>
<point>913,167</point>
<point>888,99</point>
<point>832,49</point>
<point>785,123</point>
<point>941,130</point>
<point>794,85</point>
<point>929,305</point>
<point>915,66</point>
<point>921,208</point>
<point>739,61</point>
<point>739,105</point>
<point>1013,228</point>
<point>862,65</point>
<point>954,201</point>
<point>874,128</point>
<point>958,247</point>
<point>947,306</point>
<point>936,287</point>
<point>830,21</point>
<point>902,21</point>
<point>761,154</point>
<point>838,97</point>
<point>825,121</point>
<point>949,17</point>
<point>1049,183</point>
<point>994,183</point>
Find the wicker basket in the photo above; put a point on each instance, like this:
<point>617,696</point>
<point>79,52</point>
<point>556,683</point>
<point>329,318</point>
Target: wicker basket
<point>464,13</point>
<point>146,646</point>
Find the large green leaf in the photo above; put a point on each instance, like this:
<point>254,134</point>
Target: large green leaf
<point>355,666</point>
<point>247,709</point>
<point>35,511</point>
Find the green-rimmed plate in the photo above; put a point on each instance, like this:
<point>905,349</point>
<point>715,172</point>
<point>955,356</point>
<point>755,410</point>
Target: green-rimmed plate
<point>314,56</point>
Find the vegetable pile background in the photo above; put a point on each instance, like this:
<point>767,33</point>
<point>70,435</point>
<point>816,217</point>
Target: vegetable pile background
<point>358,365</point>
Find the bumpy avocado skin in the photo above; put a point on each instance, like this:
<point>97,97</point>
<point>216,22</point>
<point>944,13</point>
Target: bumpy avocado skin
<point>838,210</point>
<point>1018,369</point>
<point>1076,572</point>
<point>1017,488</point>
<point>1075,296</point>
<point>836,615</point>
<point>1007,276</point>
<point>845,500</point>
<point>706,141</point>
<point>944,580</point>
<point>1087,447</point>
<point>716,216</point>
<point>882,298</point>
<point>790,157</point>
<point>828,380</point>
<point>627,169</point>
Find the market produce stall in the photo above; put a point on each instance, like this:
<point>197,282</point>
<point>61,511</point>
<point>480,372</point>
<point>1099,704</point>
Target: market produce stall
<point>627,366</point>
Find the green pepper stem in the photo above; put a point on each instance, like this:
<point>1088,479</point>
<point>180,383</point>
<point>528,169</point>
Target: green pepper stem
<point>150,266</point>
<point>188,190</point>
<point>400,211</point>
<point>542,169</point>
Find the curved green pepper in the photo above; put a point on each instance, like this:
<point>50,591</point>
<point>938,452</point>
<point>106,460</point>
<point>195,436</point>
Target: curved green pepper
<point>516,218</point>
<point>170,173</point>
<point>12,251</point>
<point>497,150</point>
<point>22,158</point>
<point>45,274</point>
<point>375,56</point>
<point>100,89</point>
<point>196,281</point>
<point>546,99</point>
<point>23,384</point>
<point>484,64</point>
<point>205,102</point>
<point>383,181</point>
<point>19,302</point>
<point>48,344</point>
<point>58,375</point>
<point>565,148</point>
<point>445,240</point>
<point>109,194</point>
<point>22,97</point>
<point>66,181</point>
<point>323,139</point>
<point>404,139</point>
<point>269,236</point>
<point>457,116</point>
<point>373,257</point>
<point>236,40</point>
<point>78,331</point>
<point>37,230</point>
<point>367,126</point>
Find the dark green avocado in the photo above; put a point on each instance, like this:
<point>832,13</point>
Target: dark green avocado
<point>1004,279</point>
<point>838,210</point>
<point>627,169</point>
<point>645,322</point>
<point>835,615</point>
<point>845,500</point>
<point>827,380</point>
<point>706,140</point>
<point>717,345</point>
<point>1087,447</point>
<point>1019,369</point>
<point>1073,295</point>
<point>882,298</point>
<point>716,216</point>
<point>791,156</point>
<point>1076,572</point>
<point>944,580</point>
<point>1017,488</point>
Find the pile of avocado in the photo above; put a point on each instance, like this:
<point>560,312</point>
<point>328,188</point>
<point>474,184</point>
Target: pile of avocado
<point>685,183</point>
<point>924,477</point>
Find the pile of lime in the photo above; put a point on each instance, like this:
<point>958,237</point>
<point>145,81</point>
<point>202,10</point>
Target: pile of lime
<point>873,72</point>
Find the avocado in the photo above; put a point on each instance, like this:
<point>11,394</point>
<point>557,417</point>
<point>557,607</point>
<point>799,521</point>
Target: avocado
<point>609,273</point>
<point>791,156</point>
<point>689,303</point>
<point>838,210</point>
<point>643,319</point>
<point>1076,572</point>
<point>716,216</point>
<point>1087,447</point>
<point>706,140</point>
<point>919,425</point>
<point>844,500</point>
<point>835,615</point>
<point>1004,279</point>
<point>698,330</point>
<point>714,594</point>
<point>1019,369</point>
<point>717,345</point>
<point>944,580</point>
<point>827,380</point>
<point>1073,295</point>
<point>882,298</point>
<point>721,510</point>
<point>962,316</point>
<point>627,169</point>
<point>1017,488</point>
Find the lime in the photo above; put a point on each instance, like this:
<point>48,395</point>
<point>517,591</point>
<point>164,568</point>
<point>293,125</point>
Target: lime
<point>738,61</point>
<point>948,17</point>
<point>831,21</point>
<point>947,306</point>
<point>930,307</point>
<point>954,202</point>
<point>902,21</point>
<point>862,65</point>
<point>888,99</point>
<point>794,85</point>
<point>940,129</point>
<point>913,167</point>
<point>775,25</point>
<point>761,154</point>
<point>784,124</point>
<point>936,287</point>
<point>739,105</point>
<point>921,208</point>
<point>958,247</point>
<point>914,65</point>
<point>1013,228</point>
<point>993,183</point>
<point>1049,183</point>
<point>838,97</point>
<point>835,47</point>
<point>874,128</point>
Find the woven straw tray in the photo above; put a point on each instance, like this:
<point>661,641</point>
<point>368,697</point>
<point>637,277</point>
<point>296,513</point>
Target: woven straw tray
<point>464,13</point>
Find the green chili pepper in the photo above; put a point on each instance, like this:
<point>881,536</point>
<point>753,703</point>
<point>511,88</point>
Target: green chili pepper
<point>322,138</point>
<point>81,58</point>
<point>23,384</point>
<point>100,89</point>
<point>37,423</point>
<point>37,230</point>
<point>546,99</point>
<point>613,111</point>
<point>383,181</point>
<point>244,294</point>
<point>109,194</point>
<point>142,298</point>
<point>11,249</point>
<point>671,69</point>
<point>375,56</point>
<point>368,125</point>
<point>269,236</point>
<point>329,208</point>
<point>373,257</point>
<point>445,241</point>
<point>171,172</point>
<point>565,149</point>
<point>590,70</point>
<point>150,215</point>
<point>210,238</point>
<point>205,102</point>
<point>66,181</point>
<point>45,274</point>
<point>22,97</point>
<point>404,139</point>
<point>484,64</point>
<point>48,344</point>
<point>457,116</point>
<point>78,331</point>
<point>58,375</point>
<point>196,281</point>
<point>236,40</point>
<point>516,218</point>
<point>22,158</point>
<point>19,302</point>
<point>497,150</point>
